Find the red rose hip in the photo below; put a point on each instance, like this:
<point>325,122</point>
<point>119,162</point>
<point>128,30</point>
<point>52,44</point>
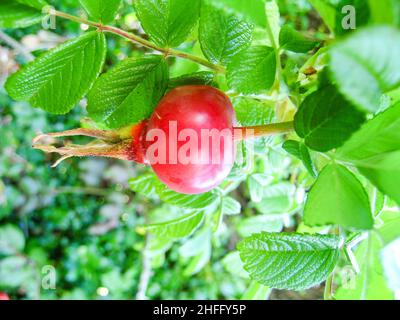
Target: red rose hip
<point>189,139</point>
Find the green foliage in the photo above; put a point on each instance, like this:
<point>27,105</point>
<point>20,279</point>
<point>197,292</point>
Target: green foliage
<point>71,67</point>
<point>101,10</point>
<point>129,92</point>
<point>373,67</point>
<point>18,14</point>
<point>292,40</point>
<point>289,261</point>
<point>252,70</point>
<point>300,151</point>
<point>333,175</point>
<point>168,22</point>
<point>326,120</point>
<point>338,198</point>
<point>375,150</point>
<point>222,36</point>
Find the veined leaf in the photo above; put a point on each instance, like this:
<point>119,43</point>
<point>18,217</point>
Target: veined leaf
<point>144,184</point>
<point>200,201</point>
<point>375,150</point>
<point>222,36</point>
<point>259,223</point>
<point>384,172</point>
<point>101,10</point>
<point>338,198</point>
<point>292,40</point>
<point>37,4</point>
<point>326,120</point>
<point>289,261</point>
<point>374,71</point>
<point>168,22</point>
<point>377,136</point>
<point>15,14</point>
<point>300,151</point>
<point>129,92</point>
<point>57,80</point>
<point>234,265</point>
<point>201,77</point>
<point>251,112</point>
<point>253,70</point>
<point>277,198</point>
<point>256,184</point>
<point>230,206</point>
<point>177,228</point>
<point>252,11</point>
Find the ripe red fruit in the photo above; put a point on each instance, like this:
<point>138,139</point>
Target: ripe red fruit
<point>197,108</point>
<point>4,296</point>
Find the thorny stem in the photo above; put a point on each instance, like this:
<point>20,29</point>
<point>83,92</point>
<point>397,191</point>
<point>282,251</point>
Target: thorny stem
<point>134,38</point>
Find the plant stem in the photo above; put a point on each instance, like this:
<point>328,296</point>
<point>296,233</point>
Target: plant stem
<point>16,46</point>
<point>146,273</point>
<point>136,39</point>
<point>263,131</point>
<point>328,292</point>
<point>277,84</point>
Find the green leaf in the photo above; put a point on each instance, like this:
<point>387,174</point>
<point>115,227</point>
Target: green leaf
<point>252,11</point>
<point>197,78</point>
<point>168,22</point>
<point>234,265</point>
<point>266,222</point>
<point>326,11</point>
<point>198,248</point>
<point>144,184</point>
<point>292,40</point>
<point>377,136</point>
<point>338,198</point>
<point>18,15</point>
<point>385,11</point>
<point>277,198</point>
<point>177,228</point>
<point>326,120</point>
<point>200,201</point>
<point>57,80</point>
<point>370,284</point>
<point>256,184</point>
<point>129,92</point>
<point>222,36</point>
<point>373,71</point>
<point>253,70</point>
<point>101,10</point>
<point>230,206</point>
<point>37,4</point>
<point>375,150</point>
<point>384,172</point>
<point>273,18</point>
<point>251,112</point>
<point>288,260</point>
<point>300,151</point>
<point>12,240</point>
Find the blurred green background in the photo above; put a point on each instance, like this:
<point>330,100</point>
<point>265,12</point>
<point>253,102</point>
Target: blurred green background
<point>81,220</point>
